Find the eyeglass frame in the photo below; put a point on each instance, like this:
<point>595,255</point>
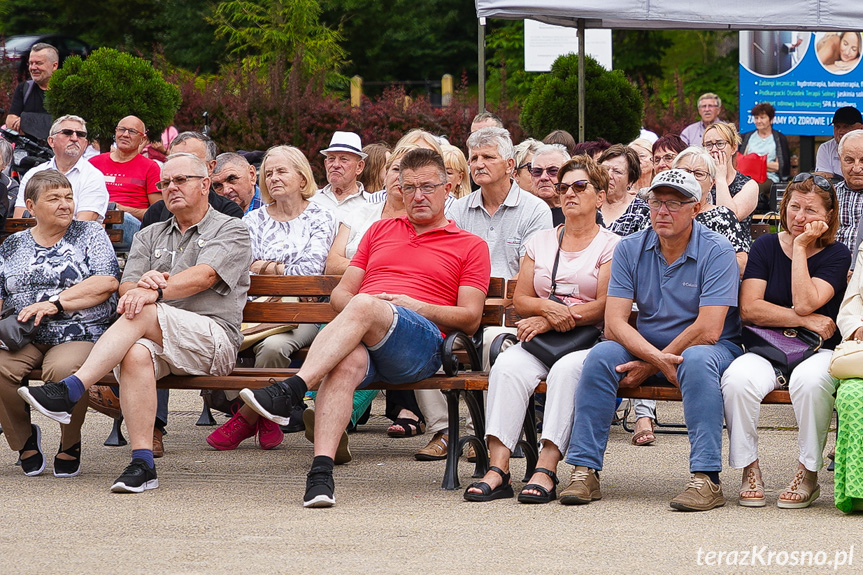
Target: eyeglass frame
<point>667,206</point>
<point>701,179</point>
<point>425,189</point>
<point>125,130</point>
<point>80,133</point>
<point>718,144</point>
<point>163,185</point>
<point>667,158</point>
<point>566,187</point>
<point>546,170</point>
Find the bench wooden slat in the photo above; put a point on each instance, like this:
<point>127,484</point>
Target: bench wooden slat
<point>301,286</point>
<point>113,217</point>
<point>288,312</point>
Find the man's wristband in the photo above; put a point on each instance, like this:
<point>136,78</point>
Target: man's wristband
<point>159,291</point>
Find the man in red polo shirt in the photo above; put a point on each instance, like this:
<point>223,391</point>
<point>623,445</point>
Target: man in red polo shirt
<point>130,177</point>
<point>412,279</point>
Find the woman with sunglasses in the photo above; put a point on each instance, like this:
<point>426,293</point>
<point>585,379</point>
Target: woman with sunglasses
<point>794,278</point>
<point>583,251</point>
<point>623,213</point>
<point>523,156</point>
<point>732,189</point>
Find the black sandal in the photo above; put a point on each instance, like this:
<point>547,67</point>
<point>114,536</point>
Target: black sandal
<point>502,491</point>
<point>410,427</point>
<point>68,467</point>
<point>545,495</point>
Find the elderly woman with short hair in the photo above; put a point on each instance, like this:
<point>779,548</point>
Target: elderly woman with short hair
<point>63,273</point>
<point>622,212</point>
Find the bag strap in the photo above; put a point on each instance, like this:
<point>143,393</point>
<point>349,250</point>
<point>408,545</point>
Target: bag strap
<point>30,84</point>
<point>556,261</point>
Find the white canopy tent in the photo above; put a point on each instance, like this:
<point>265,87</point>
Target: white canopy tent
<point>800,15</point>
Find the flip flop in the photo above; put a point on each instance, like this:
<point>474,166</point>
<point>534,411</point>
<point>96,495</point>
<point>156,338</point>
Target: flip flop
<point>502,491</point>
<point>545,495</point>
<point>409,427</point>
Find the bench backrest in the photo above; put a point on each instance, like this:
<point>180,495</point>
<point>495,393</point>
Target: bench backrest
<point>112,217</point>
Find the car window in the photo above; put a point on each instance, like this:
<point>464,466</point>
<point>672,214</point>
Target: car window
<point>20,43</point>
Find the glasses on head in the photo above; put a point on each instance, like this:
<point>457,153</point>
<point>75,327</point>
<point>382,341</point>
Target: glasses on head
<point>176,180</point>
<point>700,175</point>
<point>820,181</point>
<point>68,133</point>
<point>551,171</point>
<point>666,159</point>
<point>577,187</point>
<point>426,189</point>
<point>231,180</point>
<point>523,166</point>
<point>123,130</point>
<point>718,144</point>
<point>672,205</point>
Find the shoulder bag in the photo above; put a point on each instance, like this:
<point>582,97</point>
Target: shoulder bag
<point>784,347</point>
<point>15,334</point>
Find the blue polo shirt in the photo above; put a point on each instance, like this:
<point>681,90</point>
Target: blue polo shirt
<point>669,296</point>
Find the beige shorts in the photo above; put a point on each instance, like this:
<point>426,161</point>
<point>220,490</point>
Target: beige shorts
<point>192,344</point>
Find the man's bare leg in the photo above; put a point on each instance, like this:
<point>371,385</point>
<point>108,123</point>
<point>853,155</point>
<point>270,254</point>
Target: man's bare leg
<point>334,401</point>
<point>138,397</point>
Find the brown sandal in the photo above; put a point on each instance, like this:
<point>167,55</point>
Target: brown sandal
<point>752,482</point>
<point>103,399</point>
<point>798,486</point>
<point>638,435</point>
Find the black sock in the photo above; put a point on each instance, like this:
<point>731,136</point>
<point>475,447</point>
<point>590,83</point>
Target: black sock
<point>713,475</point>
<point>322,462</point>
<point>295,384</point>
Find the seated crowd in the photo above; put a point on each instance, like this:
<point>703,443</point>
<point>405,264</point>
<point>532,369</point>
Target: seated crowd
<point>648,244</point>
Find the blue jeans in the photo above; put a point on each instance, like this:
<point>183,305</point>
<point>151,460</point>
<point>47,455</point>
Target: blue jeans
<point>411,351</point>
<point>131,225</point>
<point>698,375</point>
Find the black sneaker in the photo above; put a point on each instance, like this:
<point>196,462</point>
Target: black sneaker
<point>276,402</point>
<point>319,488</point>
<point>35,464</point>
<point>68,467</point>
<point>137,477</point>
<point>296,418</point>
<point>51,400</point>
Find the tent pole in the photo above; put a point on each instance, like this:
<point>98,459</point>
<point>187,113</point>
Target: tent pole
<point>481,67</point>
<point>581,79</point>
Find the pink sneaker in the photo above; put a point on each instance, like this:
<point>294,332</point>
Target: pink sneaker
<point>231,434</point>
<point>269,434</point>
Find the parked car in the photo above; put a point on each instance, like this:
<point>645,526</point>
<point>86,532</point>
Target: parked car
<point>16,49</point>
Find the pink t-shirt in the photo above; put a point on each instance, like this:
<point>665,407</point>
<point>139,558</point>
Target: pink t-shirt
<point>577,272</point>
<point>131,182</point>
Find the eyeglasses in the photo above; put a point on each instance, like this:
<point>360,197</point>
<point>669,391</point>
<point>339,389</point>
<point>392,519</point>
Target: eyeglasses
<point>718,144</point>
<point>551,171</point>
<point>666,159</point>
<point>820,181</point>
<point>672,205</point>
<point>577,187</point>
<point>523,166</point>
<point>131,131</point>
<point>176,180</point>
<point>230,180</point>
<point>700,175</point>
<point>703,106</point>
<point>426,189</point>
<point>67,132</point>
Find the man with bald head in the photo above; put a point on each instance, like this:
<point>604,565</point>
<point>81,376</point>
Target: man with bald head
<point>130,177</point>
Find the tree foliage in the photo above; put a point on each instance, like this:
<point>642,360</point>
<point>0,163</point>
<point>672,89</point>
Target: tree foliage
<point>108,86</point>
<point>613,105</point>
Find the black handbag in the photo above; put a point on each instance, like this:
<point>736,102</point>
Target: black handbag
<point>784,348</point>
<point>552,345</point>
<point>15,334</point>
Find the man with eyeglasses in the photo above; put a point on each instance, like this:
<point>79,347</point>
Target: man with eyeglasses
<point>684,279</point>
<point>545,165</point>
<point>68,139</point>
<point>412,279</point>
<point>181,303</point>
<point>709,108</point>
<point>129,176</point>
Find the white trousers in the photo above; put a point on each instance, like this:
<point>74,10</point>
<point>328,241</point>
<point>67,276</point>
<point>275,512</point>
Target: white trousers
<point>745,383</point>
<point>512,380</point>
<point>432,402</point>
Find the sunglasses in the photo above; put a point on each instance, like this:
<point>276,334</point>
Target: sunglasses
<point>176,180</point>
<point>551,171</point>
<point>820,181</point>
<point>523,166</point>
<point>68,133</point>
<point>577,187</point>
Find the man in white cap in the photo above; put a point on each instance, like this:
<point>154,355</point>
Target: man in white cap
<point>684,279</point>
<point>344,163</point>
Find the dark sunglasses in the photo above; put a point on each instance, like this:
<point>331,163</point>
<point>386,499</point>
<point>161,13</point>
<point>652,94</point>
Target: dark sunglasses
<point>820,181</point>
<point>523,166</point>
<point>68,133</point>
<point>551,171</point>
<point>577,187</point>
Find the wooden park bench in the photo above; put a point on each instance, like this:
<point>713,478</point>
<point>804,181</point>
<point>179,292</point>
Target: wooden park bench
<point>113,217</point>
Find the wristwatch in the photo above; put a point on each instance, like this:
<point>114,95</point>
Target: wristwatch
<point>55,299</point>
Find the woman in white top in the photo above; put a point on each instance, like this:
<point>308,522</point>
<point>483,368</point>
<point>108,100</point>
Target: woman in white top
<point>584,249</point>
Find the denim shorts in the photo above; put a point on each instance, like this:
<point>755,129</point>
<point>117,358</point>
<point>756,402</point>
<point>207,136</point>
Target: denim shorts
<point>410,351</point>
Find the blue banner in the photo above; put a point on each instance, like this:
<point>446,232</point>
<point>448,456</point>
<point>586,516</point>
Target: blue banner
<point>806,76</point>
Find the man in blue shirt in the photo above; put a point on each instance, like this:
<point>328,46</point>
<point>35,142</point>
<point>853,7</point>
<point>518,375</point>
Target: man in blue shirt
<point>684,279</point>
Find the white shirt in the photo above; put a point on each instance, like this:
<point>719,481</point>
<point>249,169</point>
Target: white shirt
<point>326,198</point>
<point>88,186</point>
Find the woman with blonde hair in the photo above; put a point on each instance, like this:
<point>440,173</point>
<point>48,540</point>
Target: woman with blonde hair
<point>644,149</point>
<point>457,172</point>
<point>732,189</point>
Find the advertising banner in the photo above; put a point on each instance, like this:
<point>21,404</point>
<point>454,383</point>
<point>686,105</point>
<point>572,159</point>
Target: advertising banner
<point>806,76</point>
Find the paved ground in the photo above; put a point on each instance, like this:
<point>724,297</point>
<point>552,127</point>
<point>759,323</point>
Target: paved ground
<point>240,512</point>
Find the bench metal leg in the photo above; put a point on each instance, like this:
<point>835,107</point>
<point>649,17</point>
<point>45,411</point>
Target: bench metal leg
<point>116,439</point>
<point>669,428</point>
<point>450,475</point>
<point>474,401</point>
<point>206,417</point>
